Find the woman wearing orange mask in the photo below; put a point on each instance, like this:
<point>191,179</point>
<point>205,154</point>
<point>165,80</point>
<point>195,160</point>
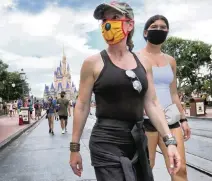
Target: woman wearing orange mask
<point>164,76</point>
<point>122,84</point>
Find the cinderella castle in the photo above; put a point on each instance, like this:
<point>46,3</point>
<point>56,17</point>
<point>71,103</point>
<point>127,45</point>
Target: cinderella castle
<point>62,82</point>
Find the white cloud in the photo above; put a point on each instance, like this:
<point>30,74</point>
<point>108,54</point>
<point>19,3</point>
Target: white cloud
<point>26,37</point>
<point>191,19</point>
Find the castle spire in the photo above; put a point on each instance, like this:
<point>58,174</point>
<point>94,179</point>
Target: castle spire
<point>64,56</point>
<point>68,68</point>
<point>63,51</point>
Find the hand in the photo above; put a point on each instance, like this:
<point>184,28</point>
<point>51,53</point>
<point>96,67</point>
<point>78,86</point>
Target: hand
<point>186,129</point>
<point>76,163</point>
<point>174,159</point>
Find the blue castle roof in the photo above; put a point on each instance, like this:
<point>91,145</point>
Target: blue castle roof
<point>52,87</point>
<point>46,88</point>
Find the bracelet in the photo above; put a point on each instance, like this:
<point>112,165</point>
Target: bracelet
<point>171,141</point>
<point>74,147</point>
<point>183,120</point>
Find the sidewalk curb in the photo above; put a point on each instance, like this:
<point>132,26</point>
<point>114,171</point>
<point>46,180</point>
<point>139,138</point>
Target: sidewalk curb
<point>16,135</point>
<point>194,117</point>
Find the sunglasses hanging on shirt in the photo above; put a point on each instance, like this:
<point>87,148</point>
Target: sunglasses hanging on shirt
<point>134,79</point>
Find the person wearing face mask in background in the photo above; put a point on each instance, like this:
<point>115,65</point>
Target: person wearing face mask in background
<point>64,111</point>
<point>164,74</point>
<point>123,86</point>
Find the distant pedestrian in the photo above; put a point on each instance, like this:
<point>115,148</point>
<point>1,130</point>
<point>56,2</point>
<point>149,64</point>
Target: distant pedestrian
<point>10,109</point>
<point>30,105</point>
<point>15,107</point>
<point>51,110</point>
<point>64,111</point>
<point>19,105</point>
<point>37,108</point>
<point>205,99</point>
<point>57,108</point>
<point>5,108</point>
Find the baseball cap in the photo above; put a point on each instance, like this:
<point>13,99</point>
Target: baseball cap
<point>121,7</point>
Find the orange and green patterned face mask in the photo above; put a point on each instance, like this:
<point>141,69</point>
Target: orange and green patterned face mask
<point>113,32</point>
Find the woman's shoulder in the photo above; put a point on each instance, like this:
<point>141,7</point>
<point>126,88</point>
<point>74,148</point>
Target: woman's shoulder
<point>144,61</point>
<point>171,59</point>
<point>93,59</point>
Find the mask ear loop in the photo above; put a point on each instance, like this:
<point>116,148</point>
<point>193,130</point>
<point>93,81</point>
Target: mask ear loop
<point>130,20</point>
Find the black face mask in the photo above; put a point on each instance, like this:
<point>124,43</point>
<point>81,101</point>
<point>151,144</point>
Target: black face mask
<point>156,37</point>
<point>62,96</point>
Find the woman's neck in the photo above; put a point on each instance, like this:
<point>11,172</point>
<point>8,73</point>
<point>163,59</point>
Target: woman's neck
<point>118,49</point>
<point>153,49</point>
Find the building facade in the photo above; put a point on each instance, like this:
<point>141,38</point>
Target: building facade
<point>62,82</point>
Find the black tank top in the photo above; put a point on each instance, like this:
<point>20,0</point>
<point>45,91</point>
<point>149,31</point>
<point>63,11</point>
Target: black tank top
<point>114,93</point>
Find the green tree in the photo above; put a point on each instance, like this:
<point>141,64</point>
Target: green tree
<point>190,57</point>
<point>13,87</point>
<point>3,70</point>
<point>3,75</point>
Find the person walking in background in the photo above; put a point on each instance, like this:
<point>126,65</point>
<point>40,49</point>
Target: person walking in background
<point>30,105</point>
<point>51,110</point>
<point>57,108</point>
<point>37,108</point>
<point>20,104</point>
<point>164,76</point>
<point>15,107</point>
<point>10,105</point>
<point>122,83</point>
<point>5,108</point>
<point>205,99</point>
<point>64,111</point>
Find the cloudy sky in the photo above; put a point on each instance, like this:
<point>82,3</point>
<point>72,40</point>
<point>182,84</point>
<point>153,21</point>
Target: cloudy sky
<point>32,32</point>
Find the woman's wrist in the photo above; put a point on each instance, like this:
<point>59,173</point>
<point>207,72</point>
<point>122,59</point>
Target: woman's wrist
<point>74,147</point>
<point>169,139</point>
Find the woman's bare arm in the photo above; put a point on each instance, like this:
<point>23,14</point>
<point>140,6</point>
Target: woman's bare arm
<point>173,88</point>
<point>82,107</point>
<point>176,100</point>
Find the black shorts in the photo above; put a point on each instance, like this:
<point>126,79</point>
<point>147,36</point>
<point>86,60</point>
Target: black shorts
<point>63,117</point>
<point>150,128</point>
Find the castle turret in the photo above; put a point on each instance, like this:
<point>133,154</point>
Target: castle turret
<point>64,63</point>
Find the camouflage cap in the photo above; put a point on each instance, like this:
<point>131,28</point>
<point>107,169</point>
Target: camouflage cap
<point>122,7</point>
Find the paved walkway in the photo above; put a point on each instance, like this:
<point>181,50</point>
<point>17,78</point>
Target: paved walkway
<point>9,127</point>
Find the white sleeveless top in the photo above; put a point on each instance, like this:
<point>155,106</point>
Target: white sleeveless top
<point>163,77</point>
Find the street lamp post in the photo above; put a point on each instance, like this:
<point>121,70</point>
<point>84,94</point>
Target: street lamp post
<point>8,89</point>
<point>23,78</point>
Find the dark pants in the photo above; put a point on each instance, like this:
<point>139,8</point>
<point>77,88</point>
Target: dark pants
<point>119,151</point>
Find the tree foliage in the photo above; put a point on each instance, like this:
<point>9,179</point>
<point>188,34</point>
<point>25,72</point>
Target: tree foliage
<point>3,70</point>
<point>191,56</point>
<point>8,80</point>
